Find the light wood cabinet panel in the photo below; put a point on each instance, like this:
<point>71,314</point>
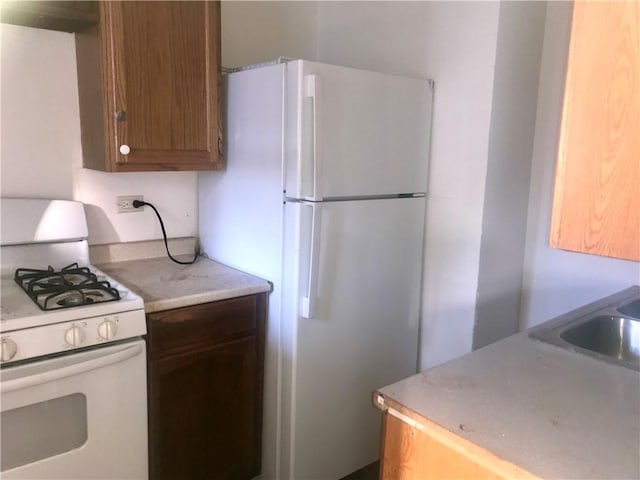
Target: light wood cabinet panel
<point>420,449</point>
<point>596,207</point>
<point>149,84</point>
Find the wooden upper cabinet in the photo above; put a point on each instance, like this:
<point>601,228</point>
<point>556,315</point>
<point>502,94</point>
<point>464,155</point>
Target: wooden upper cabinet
<point>596,207</point>
<point>62,16</point>
<point>149,82</point>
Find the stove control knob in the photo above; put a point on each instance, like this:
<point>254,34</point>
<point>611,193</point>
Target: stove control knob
<point>74,336</point>
<point>107,330</point>
<point>9,349</point>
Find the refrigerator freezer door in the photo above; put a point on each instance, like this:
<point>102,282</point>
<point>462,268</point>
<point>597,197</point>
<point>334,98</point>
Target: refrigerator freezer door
<point>362,335</point>
<point>354,132</point>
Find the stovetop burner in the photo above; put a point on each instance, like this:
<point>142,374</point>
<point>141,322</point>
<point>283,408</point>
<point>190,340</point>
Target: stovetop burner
<point>72,286</point>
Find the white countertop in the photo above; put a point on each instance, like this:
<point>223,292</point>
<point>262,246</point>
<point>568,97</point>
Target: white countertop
<point>552,412</point>
<point>164,285</point>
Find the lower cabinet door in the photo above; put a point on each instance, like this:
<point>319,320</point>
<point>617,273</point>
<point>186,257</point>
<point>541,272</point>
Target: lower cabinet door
<point>205,413</point>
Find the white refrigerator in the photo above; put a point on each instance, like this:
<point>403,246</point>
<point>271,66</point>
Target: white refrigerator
<point>324,195</point>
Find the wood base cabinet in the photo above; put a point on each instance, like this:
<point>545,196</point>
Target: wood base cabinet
<point>205,390</point>
<point>418,449</point>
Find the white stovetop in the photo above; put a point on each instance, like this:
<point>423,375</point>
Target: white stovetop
<point>18,311</point>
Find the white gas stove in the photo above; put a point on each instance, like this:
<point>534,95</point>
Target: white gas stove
<point>73,363</point>
<point>73,304</point>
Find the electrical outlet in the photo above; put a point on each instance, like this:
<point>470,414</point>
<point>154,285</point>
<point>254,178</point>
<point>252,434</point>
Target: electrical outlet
<point>125,203</point>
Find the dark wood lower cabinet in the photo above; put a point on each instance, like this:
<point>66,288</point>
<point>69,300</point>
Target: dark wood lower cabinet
<point>205,379</point>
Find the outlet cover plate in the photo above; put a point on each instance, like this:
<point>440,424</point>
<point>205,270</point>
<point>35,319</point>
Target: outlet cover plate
<point>124,203</point>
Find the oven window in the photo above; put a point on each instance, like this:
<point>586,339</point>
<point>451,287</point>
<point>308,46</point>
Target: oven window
<point>41,430</point>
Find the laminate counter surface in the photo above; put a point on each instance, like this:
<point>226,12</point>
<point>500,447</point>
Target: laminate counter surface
<point>165,285</point>
<point>552,412</point>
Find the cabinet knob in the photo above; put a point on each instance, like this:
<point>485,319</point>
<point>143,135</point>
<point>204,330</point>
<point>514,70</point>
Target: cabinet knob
<point>124,149</point>
<point>121,115</point>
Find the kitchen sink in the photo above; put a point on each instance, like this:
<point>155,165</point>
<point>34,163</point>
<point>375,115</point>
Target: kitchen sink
<point>615,337</point>
<point>631,309</point>
<point>608,329</point>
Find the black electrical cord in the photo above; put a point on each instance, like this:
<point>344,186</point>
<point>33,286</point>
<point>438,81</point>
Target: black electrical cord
<point>140,203</point>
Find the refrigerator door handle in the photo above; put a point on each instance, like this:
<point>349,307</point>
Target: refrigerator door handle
<point>309,300</point>
<point>312,88</point>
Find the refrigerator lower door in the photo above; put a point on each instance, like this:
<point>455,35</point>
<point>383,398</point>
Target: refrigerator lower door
<point>350,325</point>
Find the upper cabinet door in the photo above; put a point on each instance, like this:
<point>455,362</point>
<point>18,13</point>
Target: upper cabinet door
<point>160,86</point>
<point>596,207</point>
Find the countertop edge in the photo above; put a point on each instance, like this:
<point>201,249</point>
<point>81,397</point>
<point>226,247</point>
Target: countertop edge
<point>200,298</point>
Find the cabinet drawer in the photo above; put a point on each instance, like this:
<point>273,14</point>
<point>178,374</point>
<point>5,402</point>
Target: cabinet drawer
<point>201,325</point>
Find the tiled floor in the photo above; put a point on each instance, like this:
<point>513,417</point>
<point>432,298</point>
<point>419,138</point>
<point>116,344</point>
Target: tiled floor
<point>370,472</point>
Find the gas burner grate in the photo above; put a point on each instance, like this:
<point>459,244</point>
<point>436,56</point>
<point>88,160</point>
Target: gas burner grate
<point>72,286</point>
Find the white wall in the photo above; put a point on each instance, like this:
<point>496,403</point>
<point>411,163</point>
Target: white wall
<point>174,194</point>
<point>255,32</point>
<point>556,281</point>
<point>504,221</point>
<point>41,151</point>
<point>455,44</point>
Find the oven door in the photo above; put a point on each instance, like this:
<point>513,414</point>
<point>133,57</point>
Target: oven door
<point>83,415</point>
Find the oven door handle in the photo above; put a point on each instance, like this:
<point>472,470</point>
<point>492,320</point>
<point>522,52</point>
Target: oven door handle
<point>54,373</point>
